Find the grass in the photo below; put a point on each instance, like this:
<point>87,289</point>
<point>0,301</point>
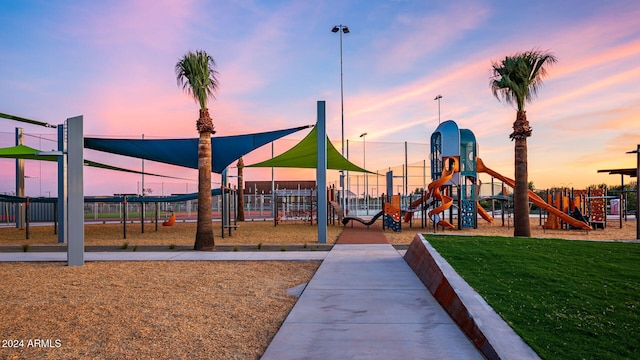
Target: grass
<point>566,299</point>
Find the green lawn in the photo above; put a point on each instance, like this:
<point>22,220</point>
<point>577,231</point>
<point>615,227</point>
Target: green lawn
<point>566,299</point>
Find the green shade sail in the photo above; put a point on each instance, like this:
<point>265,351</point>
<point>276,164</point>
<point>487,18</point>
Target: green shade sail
<point>305,155</point>
<point>29,153</point>
<point>25,152</point>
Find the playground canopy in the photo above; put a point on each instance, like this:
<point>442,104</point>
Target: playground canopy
<point>184,152</point>
<point>305,155</point>
<point>29,153</point>
<point>632,172</point>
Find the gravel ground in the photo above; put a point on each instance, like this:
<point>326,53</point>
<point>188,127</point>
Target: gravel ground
<point>146,310</point>
<point>150,310</point>
<point>177,310</point>
<point>247,233</point>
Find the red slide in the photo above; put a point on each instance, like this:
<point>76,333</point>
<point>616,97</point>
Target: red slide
<point>480,167</point>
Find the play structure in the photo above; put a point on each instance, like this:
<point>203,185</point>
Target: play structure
<point>585,206</point>
<point>296,205</point>
<point>451,200</point>
<point>455,185</point>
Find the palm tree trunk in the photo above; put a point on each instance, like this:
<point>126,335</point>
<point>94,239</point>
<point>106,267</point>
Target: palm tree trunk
<point>204,232</point>
<point>522,226</point>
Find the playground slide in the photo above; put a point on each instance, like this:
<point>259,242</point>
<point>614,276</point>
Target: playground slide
<point>447,201</point>
<point>480,167</point>
<point>414,205</point>
<point>346,220</point>
<point>484,214</point>
<point>338,210</point>
<point>170,221</point>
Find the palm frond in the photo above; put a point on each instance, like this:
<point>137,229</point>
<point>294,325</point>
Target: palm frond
<point>516,79</point>
<point>197,76</point>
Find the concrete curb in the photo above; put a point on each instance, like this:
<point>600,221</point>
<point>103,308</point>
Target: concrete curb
<point>486,329</point>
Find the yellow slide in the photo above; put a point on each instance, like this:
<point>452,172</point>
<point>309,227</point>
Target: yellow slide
<point>480,167</point>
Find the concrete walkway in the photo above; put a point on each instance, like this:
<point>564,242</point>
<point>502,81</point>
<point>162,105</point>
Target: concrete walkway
<point>365,302</point>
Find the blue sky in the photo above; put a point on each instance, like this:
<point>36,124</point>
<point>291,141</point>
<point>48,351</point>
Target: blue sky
<point>113,62</point>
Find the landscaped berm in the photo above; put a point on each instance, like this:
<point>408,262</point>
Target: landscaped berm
<point>177,310</point>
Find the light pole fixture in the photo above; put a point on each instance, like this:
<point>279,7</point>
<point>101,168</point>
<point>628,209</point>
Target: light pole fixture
<point>438,98</point>
<point>341,29</point>
<point>364,166</point>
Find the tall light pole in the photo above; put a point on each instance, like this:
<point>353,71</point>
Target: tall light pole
<point>438,98</point>
<point>341,29</point>
<point>364,166</point>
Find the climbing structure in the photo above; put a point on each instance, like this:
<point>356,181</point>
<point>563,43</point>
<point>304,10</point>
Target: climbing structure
<point>391,216</point>
<point>455,186</point>
<point>450,143</point>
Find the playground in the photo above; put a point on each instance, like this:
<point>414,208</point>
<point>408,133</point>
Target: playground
<point>245,301</point>
<point>250,305</point>
<point>452,200</point>
<point>292,235</point>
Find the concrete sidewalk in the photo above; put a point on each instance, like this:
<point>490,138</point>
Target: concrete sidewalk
<point>365,302</point>
<point>170,255</point>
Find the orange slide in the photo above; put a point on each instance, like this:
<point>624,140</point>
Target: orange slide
<point>170,221</point>
<point>434,191</point>
<point>484,214</point>
<point>480,167</point>
<point>414,205</point>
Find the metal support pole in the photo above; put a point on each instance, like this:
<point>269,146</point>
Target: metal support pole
<point>124,217</point>
<point>406,172</point>
<point>157,213</point>
<point>638,193</point>
<point>273,190</point>
<point>20,211</point>
<point>321,173</point>
<point>142,202</point>
<point>63,216</point>
<point>75,159</point>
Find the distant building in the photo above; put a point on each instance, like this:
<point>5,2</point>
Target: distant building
<point>264,187</point>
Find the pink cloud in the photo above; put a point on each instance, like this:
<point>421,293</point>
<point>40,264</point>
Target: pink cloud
<point>415,36</point>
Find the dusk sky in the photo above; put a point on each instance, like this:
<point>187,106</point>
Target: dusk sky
<point>113,62</point>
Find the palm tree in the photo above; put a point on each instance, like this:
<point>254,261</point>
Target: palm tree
<point>516,80</point>
<point>196,75</point>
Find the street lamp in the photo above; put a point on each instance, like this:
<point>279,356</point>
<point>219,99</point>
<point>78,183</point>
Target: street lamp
<point>341,29</point>
<point>364,166</point>
<point>438,98</point>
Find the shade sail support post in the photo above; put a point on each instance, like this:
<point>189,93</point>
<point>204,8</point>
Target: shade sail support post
<point>321,172</point>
